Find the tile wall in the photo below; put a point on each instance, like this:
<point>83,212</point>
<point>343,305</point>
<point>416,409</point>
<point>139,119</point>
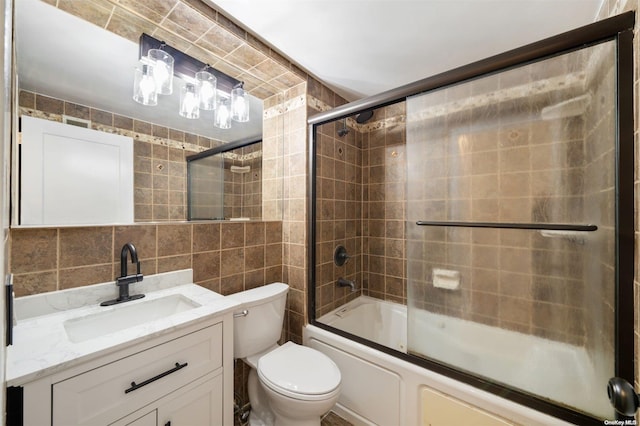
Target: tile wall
<point>243,190</point>
<point>361,192</point>
<point>225,257</point>
<point>499,161</point>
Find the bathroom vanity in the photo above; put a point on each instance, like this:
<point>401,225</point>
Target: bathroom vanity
<point>165,359</point>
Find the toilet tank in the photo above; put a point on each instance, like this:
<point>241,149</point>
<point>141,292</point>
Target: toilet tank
<point>262,326</point>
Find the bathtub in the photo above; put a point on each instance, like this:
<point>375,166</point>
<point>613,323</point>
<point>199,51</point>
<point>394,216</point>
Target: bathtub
<point>381,389</point>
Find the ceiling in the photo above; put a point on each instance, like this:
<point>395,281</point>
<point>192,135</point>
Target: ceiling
<point>363,47</point>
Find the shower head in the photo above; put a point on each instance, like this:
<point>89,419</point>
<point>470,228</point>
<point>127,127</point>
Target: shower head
<point>363,117</point>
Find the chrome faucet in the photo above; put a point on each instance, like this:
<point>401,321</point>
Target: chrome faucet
<point>125,279</point>
<point>343,282</point>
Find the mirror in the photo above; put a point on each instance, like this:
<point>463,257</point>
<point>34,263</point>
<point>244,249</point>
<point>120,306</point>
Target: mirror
<point>226,184</point>
<point>69,69</point>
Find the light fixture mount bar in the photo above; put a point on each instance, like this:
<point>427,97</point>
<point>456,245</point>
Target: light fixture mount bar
<point>185,65</point>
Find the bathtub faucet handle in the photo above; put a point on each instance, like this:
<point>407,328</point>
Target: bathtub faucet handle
<point>342,282</point>
<point>340,256</point>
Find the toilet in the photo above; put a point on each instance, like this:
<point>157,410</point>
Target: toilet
<point>289,384</point>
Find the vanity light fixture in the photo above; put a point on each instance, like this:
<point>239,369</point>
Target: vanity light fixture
<point>204,88</point>
<point>239,104</point>
<point>206,85</point>
<point>223,115</point>
<point>189,102</point>
<point>144,86</point>
<point>162,64</point>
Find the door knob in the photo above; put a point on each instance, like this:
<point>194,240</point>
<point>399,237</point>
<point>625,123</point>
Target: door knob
<point>622,396</point>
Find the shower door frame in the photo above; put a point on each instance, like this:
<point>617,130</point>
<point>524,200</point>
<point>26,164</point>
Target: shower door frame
<point>618,28</point>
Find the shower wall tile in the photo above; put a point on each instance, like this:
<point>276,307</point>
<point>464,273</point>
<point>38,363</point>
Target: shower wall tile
<point>496,164</point>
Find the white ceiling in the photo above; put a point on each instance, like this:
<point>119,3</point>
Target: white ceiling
<point>364,47</point>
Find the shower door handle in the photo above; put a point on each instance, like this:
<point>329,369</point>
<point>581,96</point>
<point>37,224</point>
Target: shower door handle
<point>622,396</point>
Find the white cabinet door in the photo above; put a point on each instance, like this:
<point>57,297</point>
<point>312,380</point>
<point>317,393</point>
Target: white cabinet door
<point>149,419</point>
<point>73,175</point>
<point>201,405</point>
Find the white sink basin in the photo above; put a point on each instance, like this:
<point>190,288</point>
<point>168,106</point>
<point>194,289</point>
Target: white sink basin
<point>125,315</point>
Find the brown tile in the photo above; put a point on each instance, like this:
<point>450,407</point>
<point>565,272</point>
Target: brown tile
<point>33,250</point>
<point>143,213</point>
<point>143,237</point>
<point>174,239</point>
<point>160,182</point>
<point>101,117</point>
<point>273,255</point>
<point>159,152</point>
<point>159,131</point>
<point>174,263</point>
<point>254,233</point>
<point>39,282</point>
<point>152,9</point>
<point>129,25</point>
<point>147,266</point>
<point>190,19</point>
<point>213,285</point>
<point>254,258</point>
<point>273,274</point>
<point>86,275</point>
<point>142,127</point>
<point>27,99</point>
<point>122,122</point>
<point>232,284</point>
<point>232,235</point>
<point>176,154</point>
<point>206,237</point>
<point>95,11</point>
<point>206,266</point>
<point>85,246</point>
<point>232,262</point>
<point>253,279</point>
<point>50,105</point>
<point>515,310</point>
<point>77,111</point>
<point>160,196</point>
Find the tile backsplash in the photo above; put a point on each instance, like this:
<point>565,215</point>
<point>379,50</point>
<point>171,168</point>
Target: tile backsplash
<point>225,257</point>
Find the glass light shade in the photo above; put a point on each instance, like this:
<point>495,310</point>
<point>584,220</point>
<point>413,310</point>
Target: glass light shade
<point>189,101</point>
<point>206,86</point>
<point>223,115</point>
<point>144,86</point>
<point>162,64</point>
<point>239,105</point>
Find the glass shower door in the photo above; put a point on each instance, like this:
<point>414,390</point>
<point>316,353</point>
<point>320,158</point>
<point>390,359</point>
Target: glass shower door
<point>206,188</point>
<point>511,227</point>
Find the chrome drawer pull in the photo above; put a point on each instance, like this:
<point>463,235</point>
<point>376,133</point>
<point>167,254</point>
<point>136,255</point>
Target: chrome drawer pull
<point>135,386</point>
<point>242,313</point>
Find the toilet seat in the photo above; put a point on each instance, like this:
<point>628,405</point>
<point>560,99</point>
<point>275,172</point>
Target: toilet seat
<point>299,372</point>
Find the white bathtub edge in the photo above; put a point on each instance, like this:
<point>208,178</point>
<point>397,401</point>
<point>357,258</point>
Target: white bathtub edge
<point>413,377</point>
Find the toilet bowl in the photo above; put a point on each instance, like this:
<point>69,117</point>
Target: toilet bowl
<point>289,384</point>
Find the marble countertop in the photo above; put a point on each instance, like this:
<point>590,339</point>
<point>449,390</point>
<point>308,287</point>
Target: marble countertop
<point>42,347</point>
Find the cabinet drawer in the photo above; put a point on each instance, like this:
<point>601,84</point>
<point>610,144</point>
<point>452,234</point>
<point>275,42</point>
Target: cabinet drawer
<point>109,392</point>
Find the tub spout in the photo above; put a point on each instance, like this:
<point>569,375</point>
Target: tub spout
<point>342,282</point>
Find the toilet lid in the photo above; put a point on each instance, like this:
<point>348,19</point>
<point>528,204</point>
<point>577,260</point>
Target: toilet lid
<point>298,369</point>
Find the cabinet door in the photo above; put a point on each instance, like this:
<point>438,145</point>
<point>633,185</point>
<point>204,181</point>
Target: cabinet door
<point>201,405</point>
<point>72,175</point>
<point>149,419</point>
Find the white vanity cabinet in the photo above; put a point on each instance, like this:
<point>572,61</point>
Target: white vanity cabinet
<point>182,378</point>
